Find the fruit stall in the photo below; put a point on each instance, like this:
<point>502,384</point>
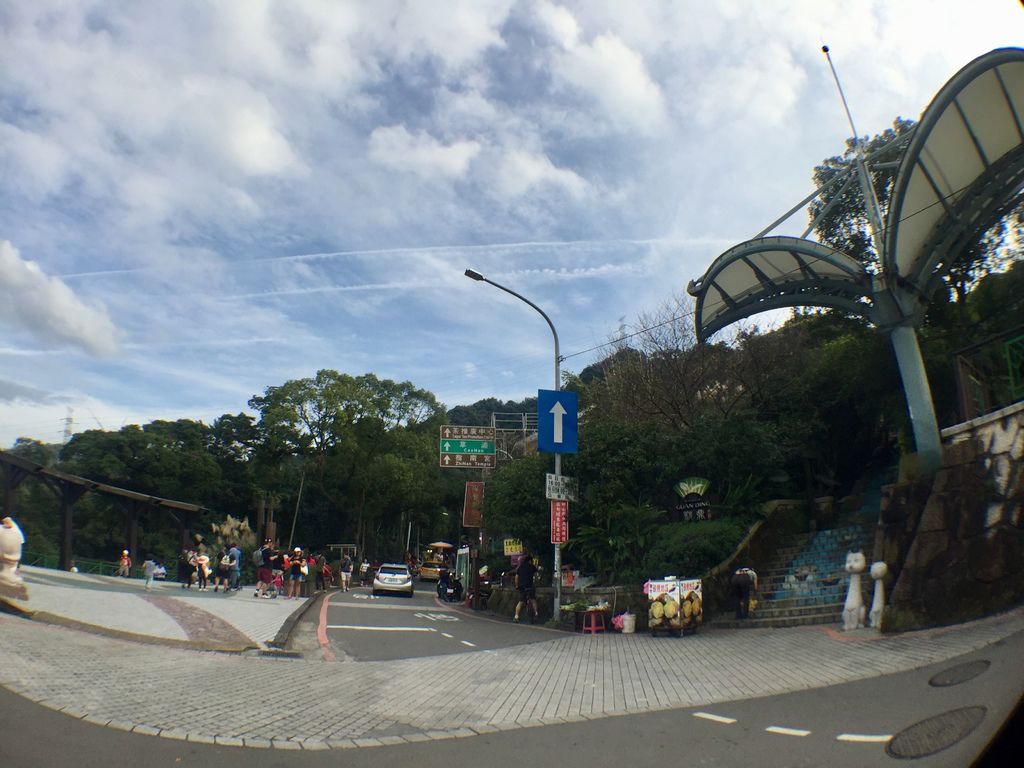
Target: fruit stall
<point>675,606</point>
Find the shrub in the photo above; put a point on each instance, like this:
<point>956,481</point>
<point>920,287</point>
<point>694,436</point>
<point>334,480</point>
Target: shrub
<point>690,549</point>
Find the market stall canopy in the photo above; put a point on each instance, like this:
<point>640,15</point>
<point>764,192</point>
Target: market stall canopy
<point>440,545</point>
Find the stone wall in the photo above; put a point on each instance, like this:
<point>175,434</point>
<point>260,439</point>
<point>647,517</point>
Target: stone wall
<point>955,546</point>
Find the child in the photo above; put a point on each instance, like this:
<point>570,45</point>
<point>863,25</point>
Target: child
<point>149,568</point>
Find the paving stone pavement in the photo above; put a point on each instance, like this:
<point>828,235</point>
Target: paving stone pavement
<point>151,689</point>
<point>122,606</point>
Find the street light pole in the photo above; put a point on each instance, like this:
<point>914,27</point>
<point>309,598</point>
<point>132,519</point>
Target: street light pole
<point>557,569</point>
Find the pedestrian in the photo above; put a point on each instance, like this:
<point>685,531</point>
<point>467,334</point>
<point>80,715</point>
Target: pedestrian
<point>202,570</point>
<point>320,563</point>
<point>346,573</point>
<point>149,569</point>
<point>11,542</point>
<point>186,570</point>
<point>263,559</point>
<point>525,573</point>
<point>297,570</point>
<point>124,565</point>
<point>222,577</point>
<point>236,572</point>
<point>743,581</point>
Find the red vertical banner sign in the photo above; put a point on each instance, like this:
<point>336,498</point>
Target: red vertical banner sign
<point>471,512</point>
<point>559,522</point>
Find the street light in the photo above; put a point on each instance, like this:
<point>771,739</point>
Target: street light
<point>557,575</point>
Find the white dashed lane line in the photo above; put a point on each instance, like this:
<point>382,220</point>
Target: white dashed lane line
<point>851,738</point>
<point>381,629</point>
<point>714,718</point>
<point>467,643</point>
<point>445,634</point>
<point>782,731</point>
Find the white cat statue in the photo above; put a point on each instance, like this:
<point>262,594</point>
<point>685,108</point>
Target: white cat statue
<point>853,609</point>
<point>11,539</point>
<point>879,571</point>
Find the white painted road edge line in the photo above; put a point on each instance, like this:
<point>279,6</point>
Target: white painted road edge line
<point>714,718</point>
<point>863,738</point>
<point>382,629</point>
<point>787,731</point>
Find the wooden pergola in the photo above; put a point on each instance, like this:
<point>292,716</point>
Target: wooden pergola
<point>70,488</point>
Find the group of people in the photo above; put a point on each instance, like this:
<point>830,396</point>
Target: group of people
<point>196,568</point>
<point>285,572</point>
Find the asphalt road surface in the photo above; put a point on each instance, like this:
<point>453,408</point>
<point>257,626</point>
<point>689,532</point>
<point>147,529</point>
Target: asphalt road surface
<point>361,627</point>
<point>797,729</point>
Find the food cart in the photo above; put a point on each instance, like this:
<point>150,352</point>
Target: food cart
<point>675,606</point>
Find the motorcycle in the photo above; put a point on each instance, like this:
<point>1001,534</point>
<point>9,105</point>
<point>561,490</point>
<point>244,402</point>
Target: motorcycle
<point>449,588</point>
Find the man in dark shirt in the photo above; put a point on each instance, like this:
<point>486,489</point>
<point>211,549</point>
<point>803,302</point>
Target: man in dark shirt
<point>524,583</point>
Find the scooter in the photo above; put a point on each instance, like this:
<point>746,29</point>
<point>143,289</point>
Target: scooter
<point>449,588</point>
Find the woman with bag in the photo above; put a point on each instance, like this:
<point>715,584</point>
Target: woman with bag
<point>298,572</point>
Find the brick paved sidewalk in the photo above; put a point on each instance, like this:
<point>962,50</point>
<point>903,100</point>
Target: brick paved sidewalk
<point>152,690</point>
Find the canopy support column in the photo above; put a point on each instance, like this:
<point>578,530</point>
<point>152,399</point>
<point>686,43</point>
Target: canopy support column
<point>919,397</point>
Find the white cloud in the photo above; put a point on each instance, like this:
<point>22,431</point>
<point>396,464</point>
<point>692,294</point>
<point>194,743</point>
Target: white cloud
<point>48,309</point>
<point>559,22</point>
<point>615,76</point>
<point>521,172</point>
<point>420,153</point>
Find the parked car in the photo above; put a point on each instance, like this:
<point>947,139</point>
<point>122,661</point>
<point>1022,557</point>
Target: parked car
<point>393,577</point>
<point>431,570</point>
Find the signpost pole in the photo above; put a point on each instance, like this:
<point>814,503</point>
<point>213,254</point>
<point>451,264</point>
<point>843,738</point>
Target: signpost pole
<point>557,575</point>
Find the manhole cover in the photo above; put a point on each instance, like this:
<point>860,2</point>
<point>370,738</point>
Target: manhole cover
<point>936,733</point>
<point>961,673</point>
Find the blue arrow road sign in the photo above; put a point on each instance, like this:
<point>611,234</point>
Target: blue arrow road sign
<point>557,422</point>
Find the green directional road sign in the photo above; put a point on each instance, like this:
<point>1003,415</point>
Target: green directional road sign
<point>467,447</point>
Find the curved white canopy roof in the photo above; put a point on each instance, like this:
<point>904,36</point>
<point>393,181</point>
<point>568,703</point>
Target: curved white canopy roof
<point>961,171</point>
<point>969,137</point>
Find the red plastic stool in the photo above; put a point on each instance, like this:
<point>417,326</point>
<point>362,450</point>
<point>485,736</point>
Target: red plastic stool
<point>593,622</point>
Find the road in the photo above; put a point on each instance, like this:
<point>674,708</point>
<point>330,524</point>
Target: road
<point>358,626</point>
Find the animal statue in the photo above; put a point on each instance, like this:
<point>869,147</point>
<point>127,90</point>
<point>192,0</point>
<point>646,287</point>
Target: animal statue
<point>11,539</point>
<point>879,571</point>
<point>853,609</point>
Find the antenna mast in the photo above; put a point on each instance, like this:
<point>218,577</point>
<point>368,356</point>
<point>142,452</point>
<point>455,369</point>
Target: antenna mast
<point>874,211</point>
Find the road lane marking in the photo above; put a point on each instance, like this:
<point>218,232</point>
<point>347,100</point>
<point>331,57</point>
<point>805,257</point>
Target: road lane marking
<point>787,731</point>
<point>714,718</point>
<point>466,642</point>
<point>445,634</point>
<point>864,738</point>
<point>381,629</point>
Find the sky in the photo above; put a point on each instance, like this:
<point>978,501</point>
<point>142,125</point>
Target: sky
<point>201,200</point>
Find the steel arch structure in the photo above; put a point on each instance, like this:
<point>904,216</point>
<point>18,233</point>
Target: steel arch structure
<point>962,171</point>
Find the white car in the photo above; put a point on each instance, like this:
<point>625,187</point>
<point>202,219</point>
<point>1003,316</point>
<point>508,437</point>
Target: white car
<point>393,577</point>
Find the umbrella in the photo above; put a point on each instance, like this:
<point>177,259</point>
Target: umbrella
<point>441,545</point>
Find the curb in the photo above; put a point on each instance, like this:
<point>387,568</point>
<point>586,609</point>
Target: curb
<point>281,638</point>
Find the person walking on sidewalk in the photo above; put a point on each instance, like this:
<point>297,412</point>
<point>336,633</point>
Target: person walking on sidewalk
<point>236,571</point>
<point>202,570</point>
<point>223,572</point>
<point>296,576</point>
<point>263,559</point>
<point>743,581</point>
<point>124,565</point>
<point>527,592</point>
<point>346,573</point>
<point>149,569</point>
